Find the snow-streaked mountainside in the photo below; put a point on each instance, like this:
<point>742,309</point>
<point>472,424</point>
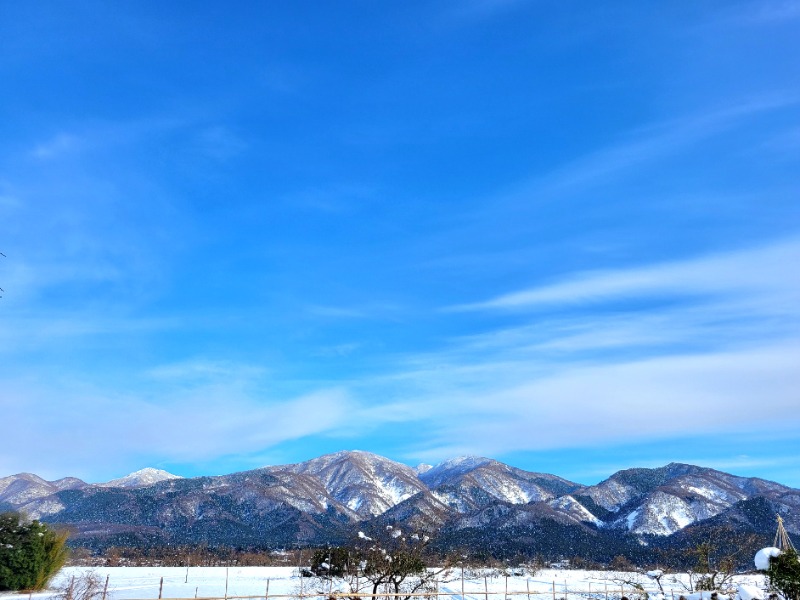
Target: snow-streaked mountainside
<point>422,468</point>
<point>366,483</point>
<point>322,500</point>
<point>141,478</point>
<point>666,500</point>
<point>451,469</point>
<point>18,490</point>
<point>500,481</point>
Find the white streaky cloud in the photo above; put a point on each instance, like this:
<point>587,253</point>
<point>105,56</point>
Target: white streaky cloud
<point>337,312</point>
<point>30,279</point>
<point>92,429</point>
<point>773,11</point>
<point>720,358</point>
<point>655,399</point>
<point>89,236</point>
<point>642,146</point>
<point>30,333</point>
<point>9,202</point>
<point>708,324</point>
<point>57,146</point>
<point>366,311</point>
<point>102,135</point>
<point>768,270</point>
<point>338,350</point>
<point>220,143</point>
<point>205,369</point>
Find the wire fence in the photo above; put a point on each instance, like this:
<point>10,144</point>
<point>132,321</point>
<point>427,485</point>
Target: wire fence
<point>403,595</point>
<point>554,591</point>
<point>442,587</point>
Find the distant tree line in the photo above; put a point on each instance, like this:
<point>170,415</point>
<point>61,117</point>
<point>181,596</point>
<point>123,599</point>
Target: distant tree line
<point>188,556</point>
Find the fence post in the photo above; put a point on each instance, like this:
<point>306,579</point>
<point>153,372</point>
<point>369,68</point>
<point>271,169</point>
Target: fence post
<point>505,596</point>
<point>105,588</point>
<point>554,589</point>
<point>195,591</point>
<point>226,583</point>
<point>607,591</point>
<point>485,588</point>
<point>528,587</point>
<point>266,596</point>
<point>160,588</point>
<point>462,582</point>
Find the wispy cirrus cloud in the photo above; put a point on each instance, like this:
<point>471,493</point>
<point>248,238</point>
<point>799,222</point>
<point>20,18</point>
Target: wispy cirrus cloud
<point>8,202</point>
<point>59,145</point>
<point>769,12</point>
<point>619,402</point>
<point>337,312</point>
<point>200,423</point>
<point>765,272</point>
<point>647,145</point>
<point>587,364</point>
<point>202,369</point>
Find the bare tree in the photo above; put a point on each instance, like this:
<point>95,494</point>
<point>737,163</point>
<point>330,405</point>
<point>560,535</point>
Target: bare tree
<point>713,569</point>
<point>389,561</point>
<point>85,586</point>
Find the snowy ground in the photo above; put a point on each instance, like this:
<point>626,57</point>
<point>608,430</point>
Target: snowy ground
<point>128,583</point>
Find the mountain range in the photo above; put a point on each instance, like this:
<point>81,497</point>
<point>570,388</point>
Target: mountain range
<point>469,504</point>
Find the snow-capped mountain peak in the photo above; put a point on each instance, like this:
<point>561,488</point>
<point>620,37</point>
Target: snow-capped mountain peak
<point>422,468</point>
<point>453,468</point>
<point>141,478</point>
<point>364,482</point>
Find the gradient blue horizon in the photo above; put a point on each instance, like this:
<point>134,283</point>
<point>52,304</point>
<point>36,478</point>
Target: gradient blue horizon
<point>563,236</point>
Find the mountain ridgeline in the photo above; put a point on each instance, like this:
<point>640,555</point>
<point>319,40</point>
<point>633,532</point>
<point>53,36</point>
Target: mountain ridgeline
<point>472,505</point>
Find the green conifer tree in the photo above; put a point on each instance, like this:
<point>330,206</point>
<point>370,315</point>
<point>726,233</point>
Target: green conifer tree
<point>30,553</point>
<point>784,574</point>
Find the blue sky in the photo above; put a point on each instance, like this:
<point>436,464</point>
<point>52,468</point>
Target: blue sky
<point>564,235</point>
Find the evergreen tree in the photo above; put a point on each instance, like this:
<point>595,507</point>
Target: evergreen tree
<point>784,573</point>
<point>30,553</point>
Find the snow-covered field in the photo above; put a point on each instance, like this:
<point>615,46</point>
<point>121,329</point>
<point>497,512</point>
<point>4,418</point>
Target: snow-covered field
<point>128,583</point>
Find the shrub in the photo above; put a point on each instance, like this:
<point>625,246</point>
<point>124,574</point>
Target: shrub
<point>84,586</point>
<point>30,553</point>
<point>784,573</point>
